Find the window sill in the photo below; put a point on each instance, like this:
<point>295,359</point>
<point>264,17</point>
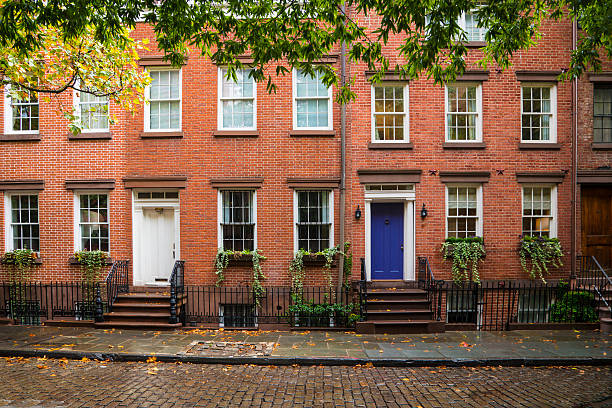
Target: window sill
<point>464,145</point>
<point>90,136</point>
<point>236,133</point>
<point>539,146</point>
<point>73,261</point>
<point>390,146</point>
<point>313,133</point>
<point>475,44</point>
<point>161,135</point>
<point>20,137</point>
<point>601,146</point>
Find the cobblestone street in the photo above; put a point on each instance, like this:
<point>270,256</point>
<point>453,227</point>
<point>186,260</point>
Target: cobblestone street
<point>57,383</point>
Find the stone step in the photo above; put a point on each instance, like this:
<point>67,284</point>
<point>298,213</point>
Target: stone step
<point>397,304</point>
<point>141,307</point>
<point>399,315</point>
<point>143,298</point>
<point>137,317</point>
<point>138,325</point>
<point>398,284</point>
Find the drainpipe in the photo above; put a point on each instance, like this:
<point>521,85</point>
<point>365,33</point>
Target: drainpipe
<point>574,178</point>
<point>342,167</point>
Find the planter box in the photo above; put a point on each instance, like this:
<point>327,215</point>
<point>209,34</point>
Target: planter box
<point>73,261</point>
<point>240,259</point>
<point>451,249</point>
<point>314,259</point>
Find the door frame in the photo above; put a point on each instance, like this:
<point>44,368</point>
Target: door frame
<point>138,205</point>
<point>404,196</point>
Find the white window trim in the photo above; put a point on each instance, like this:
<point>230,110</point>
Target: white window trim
<point>220,215</point>
<point>8,116</point>
<point>553,111</point>
<point>479,206</point>
<point>462,23</point>
<point>8,231</point>
<point>295,216</point>
<point>330,108</point>
<point>478,86</point>
<point>77,113</point>
<point>147,104</point>
<point>77,217</point>
<point>553,205</point>
<point>220,104</point>
<point>406,112</point>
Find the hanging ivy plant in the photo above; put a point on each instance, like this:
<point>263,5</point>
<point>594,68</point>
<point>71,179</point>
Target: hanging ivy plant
<point>465,253</point>
<point>222,261</point>
<point>348,264</point>
<point>92,263</point>
<point>296,267</point>
<point>20,264</point>
<point>540,253</point>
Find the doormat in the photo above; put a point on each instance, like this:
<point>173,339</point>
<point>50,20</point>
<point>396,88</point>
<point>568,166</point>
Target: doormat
<point>230,348</point>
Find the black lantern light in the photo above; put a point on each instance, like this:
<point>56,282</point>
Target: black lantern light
<point>358,213</point>
<point>423,211</point>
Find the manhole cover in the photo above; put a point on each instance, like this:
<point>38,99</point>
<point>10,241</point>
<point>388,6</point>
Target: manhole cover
<point>230,348</point>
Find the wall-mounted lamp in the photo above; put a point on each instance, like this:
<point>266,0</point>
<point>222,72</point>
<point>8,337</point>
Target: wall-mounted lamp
<point>358,213</point>
<point>423,211</point>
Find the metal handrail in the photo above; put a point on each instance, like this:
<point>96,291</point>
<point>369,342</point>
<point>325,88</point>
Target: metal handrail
<point>177,287</point>
<point>363,293</point>
<point>432,286</point>
<point>116,282</point>
<point>596,276</point>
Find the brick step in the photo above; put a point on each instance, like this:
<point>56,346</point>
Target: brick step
<point>399,315</point>
<point>604,312</point>
<point>138,325</point>
<point>143,298</point>
<point>137,317</point>
<point>141,307</point>
<point>395,327</point>
<point>395,304</point>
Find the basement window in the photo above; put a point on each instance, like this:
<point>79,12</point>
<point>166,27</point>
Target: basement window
<point>237,315</point>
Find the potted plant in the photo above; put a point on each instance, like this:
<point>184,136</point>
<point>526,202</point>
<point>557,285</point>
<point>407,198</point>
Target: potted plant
<point>538,253</point>
<point>226,257</point>
<point>465,253</point>
<point>20,264</point>
<point>92,264</point>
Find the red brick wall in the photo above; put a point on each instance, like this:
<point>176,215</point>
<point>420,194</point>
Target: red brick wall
<point>274,155</point>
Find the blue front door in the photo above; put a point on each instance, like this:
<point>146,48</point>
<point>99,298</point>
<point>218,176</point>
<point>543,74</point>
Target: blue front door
<point>387,240</point>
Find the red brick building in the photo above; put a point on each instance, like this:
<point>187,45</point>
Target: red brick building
<point>209,163</point>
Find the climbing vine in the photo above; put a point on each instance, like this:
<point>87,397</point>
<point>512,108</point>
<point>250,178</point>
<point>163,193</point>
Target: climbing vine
<point>92,263</point>
<point>296,267</point>
<point>540,252</point>
<point>222,261</point>
<point>465,253</point>
<point>20,264</point>
<point>348,264</point>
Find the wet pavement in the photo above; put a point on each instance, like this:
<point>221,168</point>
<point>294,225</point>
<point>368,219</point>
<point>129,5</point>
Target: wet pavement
<point>312,347</point>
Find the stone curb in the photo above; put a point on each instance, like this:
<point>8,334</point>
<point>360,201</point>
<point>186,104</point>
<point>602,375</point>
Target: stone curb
<point>309,361</point>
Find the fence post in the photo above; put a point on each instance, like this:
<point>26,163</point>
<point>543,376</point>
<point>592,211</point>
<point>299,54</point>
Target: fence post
<point>99,317</point>
<point>173,318</point>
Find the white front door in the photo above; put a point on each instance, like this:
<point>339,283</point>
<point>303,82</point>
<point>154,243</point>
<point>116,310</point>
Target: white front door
<point>156,246</point>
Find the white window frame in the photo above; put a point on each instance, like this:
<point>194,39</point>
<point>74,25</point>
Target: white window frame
<point>478,86</point>
<point>220,214</point>
<point>8,116</point>
<point>220,100</point>
<point>406,111</point>
<point>8,217</point>
<point>482,31</point>
<point>479,206</point>
<point>77,217</point>
<point>553,205</point>
<point>330,108</point>
<point>553,111</point>
<point>147,104</point>
<point>77,111</point>
<point>296,216</point>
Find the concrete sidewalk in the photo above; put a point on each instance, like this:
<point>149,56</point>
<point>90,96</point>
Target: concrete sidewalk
<point>511,348</point>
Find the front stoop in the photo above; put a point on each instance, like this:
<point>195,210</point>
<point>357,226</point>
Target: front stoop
<point>396,307</point>
<point>148,310</point>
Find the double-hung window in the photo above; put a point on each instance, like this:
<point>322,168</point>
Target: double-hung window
<point>389,113</point>
<point>22,227</point>
<point>469,23</point>
<point>20,112</point>
<point>464,211</point>
<point>237,106</point>
<point>602,114</point>
<point>314,220</point>
<point>312,102</point>
<point>464,112</point>
<point>237,221</point>
<point>539,208</point>
<point>92,111</point>
<point>92,223</point>
<point>538,113</point>
<point>163,110</point>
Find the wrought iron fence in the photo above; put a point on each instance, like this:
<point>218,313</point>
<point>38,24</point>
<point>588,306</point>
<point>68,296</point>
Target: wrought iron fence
<point>242,307</point>
<point>33,303</point>
<point>494,305</point>
<point>593,277</point>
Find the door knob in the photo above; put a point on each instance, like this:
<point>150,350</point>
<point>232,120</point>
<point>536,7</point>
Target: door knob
<point>402,247</point>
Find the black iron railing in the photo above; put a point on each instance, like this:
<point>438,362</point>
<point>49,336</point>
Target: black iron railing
<point>177,288</point>
<point>495,305</point>
<point>33,303</point>
<point>363,292</point>
<point>116,282</point>
<point>592,276</point>
<point>241,307</point>
<point>427,281</point>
